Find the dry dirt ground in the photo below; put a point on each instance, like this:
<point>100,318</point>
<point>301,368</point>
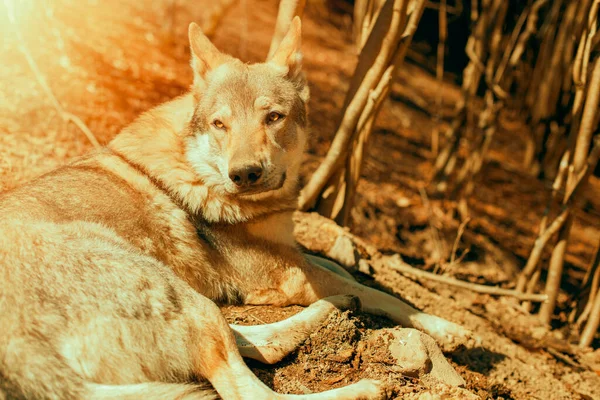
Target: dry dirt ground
<point>108,61</point>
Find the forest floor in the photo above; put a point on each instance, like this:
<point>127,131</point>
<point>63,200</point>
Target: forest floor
<point>109,61</point>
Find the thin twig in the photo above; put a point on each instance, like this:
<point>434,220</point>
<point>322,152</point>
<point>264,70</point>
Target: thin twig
<point>530,275</point>
<point>461,230</point>
<point>538,248</point>
<point>530,29</point>
<point>435,234</point>
<point>405,269</point>
<point>439,74</point>
<point>258,319</point>
<point>563,357</point>
<point>592,325</point>
<point>481,36</point>
<point>591,285</point>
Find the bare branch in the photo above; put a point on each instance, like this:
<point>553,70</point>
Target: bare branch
<point>538,248</point>
<point>584,138</point>
<point>459,233</point>
<point>405,269</point>
<point>378,53</point>
<point>592,325</point>
<point>530,29</point>
<point>557,259</point>
<point>439,73</point>
<point>591,285</point>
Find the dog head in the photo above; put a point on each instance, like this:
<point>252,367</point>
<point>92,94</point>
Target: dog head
<point>248,130</point>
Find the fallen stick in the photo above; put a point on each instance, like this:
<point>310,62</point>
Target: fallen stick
<point>405,269</point>
<point>368,252</point>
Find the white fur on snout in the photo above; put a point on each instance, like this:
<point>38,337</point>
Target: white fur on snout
<point>204,161</point>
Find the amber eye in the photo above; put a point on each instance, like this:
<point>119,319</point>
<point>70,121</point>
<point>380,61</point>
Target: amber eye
<point>218,124</point>
<point>273,117</point>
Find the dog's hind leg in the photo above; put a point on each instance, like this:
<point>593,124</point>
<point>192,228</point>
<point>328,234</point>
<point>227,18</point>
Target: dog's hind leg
<point>217,359</point>
<point>270,343</point>
<point>208,347</point>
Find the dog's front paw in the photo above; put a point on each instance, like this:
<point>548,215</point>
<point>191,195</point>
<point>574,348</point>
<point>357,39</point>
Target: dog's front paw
<point>447,334</point>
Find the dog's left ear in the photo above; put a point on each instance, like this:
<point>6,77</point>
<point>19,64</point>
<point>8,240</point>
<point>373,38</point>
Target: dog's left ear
<point>288,54</point>
<point>205,56</point>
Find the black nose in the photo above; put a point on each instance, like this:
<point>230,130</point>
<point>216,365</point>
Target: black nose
<point>245,175</point>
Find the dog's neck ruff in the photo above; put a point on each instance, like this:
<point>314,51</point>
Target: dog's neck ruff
<point>154,145</point>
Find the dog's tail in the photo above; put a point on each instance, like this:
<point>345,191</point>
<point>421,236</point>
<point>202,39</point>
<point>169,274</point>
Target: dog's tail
<point>149,391</point>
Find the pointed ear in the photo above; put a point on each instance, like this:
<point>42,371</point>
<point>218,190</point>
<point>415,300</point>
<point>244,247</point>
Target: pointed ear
<point>205,56</point>
<point>288,53</point>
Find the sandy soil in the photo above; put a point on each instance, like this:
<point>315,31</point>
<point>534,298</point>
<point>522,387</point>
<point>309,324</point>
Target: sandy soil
<point>108,61</point>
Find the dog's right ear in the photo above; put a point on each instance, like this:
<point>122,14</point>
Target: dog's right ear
<point>205,55</point>
<point>288,54</point>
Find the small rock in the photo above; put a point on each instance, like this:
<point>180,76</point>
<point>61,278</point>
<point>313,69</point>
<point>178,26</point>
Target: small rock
<point>343,251</point>
<point>412,353</point>
<point>403,351</point>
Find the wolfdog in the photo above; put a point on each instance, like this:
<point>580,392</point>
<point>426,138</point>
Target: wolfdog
<point>110,264</point>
